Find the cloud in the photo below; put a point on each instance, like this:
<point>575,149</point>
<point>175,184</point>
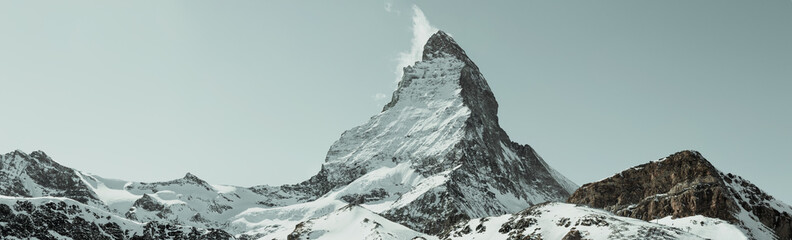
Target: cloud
<point>380,96</point>
<point>421,30</point>
<point>389,7</point>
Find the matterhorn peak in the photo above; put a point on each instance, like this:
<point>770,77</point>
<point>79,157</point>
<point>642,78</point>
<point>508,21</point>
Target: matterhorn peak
<point>442,45</point>
<point>444,74</point>
<point>441,127</point>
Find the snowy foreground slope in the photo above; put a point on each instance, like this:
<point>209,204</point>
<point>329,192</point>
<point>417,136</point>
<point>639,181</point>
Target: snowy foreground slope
<point>354,222</point>
<point>567,221</point>
<point>433,164</point>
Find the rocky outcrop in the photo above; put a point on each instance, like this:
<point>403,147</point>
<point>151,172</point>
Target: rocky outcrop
<point>25,220</point>
<point>58,219</point>
<point>573,234</point>
<point>683,184</point>
<point>148,203</point>
<point>686,184</point>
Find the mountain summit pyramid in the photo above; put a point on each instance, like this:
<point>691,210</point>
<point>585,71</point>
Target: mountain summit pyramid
<point>441,150</point>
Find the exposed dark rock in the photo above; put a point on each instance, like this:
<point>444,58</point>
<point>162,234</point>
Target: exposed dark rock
<point>155,231</point>
<point>684,184</point>
<point>148,203</point>
<point>573,234</point>
<point>681,185</point>
<point>40,221</point>
<point>373,195</point>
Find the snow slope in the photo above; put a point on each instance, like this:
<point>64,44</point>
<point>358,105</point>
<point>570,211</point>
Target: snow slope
<point>556,220</point>
<point>354,222</point>
<point>705,227</point>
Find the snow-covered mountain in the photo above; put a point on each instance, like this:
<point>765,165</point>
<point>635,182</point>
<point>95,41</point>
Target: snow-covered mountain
<point>436,153</point>
<point>433,164</point>
<point>434,156</point>
<point>685,184</point>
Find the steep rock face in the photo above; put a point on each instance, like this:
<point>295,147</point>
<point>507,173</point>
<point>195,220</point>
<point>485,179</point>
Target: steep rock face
<point>686,184</point>
<point>681,185</point>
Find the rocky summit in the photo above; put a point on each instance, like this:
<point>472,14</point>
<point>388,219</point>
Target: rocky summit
<point>686,184</point>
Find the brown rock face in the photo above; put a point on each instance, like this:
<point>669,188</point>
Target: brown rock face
<point>681,185</point>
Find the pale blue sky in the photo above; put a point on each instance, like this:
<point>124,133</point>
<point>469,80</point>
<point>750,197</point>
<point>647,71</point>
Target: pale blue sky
<point>254,92</point>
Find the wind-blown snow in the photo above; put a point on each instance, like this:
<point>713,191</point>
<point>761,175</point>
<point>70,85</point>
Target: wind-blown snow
<point>421,31</point>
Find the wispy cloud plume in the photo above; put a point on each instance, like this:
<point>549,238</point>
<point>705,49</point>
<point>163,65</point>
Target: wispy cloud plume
<point>421,30</point>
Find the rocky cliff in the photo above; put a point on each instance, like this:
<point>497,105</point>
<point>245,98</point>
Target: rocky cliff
<point>686,184</point>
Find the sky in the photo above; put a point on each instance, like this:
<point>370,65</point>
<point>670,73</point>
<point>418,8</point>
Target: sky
<point>255,92</point>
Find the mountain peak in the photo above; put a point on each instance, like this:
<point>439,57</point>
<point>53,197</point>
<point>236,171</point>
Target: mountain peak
<point>442,124</point>
<point>445,72</point>
<point>685,184</point>
<point>442,45</point>
<point>192,178</point>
